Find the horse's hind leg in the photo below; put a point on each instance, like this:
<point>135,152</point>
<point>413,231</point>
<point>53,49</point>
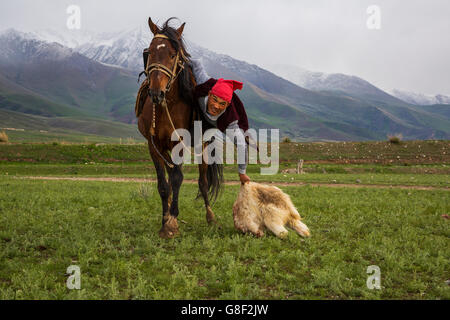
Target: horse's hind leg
<point>169,224</point>
<point>203,186</point>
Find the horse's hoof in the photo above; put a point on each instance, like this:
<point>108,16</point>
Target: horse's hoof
<point>210,217</point>
<point>170,228</point>
<point>165,234</point>
<point>211,221</point>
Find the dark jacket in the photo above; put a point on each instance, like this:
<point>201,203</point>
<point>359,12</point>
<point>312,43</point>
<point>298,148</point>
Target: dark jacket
<point>235,111</point>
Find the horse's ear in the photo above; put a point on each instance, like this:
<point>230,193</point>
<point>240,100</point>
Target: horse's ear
<point>180,30</point>
<point>153,27</point>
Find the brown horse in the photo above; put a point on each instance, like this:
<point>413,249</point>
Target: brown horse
<point>169,104</point>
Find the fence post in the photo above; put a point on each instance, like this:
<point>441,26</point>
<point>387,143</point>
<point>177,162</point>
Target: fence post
<point>300,167</point>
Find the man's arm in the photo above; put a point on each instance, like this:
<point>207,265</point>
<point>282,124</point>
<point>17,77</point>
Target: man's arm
<point>241,146</point>
<point>199,71</point>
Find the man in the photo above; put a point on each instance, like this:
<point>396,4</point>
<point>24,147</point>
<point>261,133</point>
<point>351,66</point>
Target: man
<point>222,109</point>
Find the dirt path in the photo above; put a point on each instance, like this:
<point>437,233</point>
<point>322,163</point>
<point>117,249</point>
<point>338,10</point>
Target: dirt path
<point>277,183</point>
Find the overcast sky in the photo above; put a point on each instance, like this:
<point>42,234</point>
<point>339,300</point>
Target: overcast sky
<point>410,52</point>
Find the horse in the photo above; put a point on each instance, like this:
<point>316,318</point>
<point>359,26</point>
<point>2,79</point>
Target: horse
<point>169,104</point>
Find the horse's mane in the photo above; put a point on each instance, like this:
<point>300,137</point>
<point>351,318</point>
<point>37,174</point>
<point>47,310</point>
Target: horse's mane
<point>185,83</point>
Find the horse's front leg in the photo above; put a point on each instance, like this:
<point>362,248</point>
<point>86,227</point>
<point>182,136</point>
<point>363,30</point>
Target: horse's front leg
<point>169,224</point>
<point>175,180</point>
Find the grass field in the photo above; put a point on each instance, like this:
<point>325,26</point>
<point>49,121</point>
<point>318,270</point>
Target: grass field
<point>422,175</point>
<point>373,152</point>
<point>110,229</point>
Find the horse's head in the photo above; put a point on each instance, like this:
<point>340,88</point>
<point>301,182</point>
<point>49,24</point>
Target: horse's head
<point>166,59</point>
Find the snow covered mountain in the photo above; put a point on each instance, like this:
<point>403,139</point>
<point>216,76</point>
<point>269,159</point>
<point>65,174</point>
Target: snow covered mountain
<point>47,78</point>
<point>96,74</point>
<point>420,98</point>
<point>302,77</point>
<point>66,37</point>
<point>20,46</point>
<point>123,49</point>
<point>334,82</point>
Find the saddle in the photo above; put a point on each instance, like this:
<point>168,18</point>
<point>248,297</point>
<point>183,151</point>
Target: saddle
<point>141,97</point>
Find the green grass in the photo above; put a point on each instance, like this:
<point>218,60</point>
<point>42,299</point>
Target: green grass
<point>429,175</point>
<point>110,231</point>
<point>374,152</point>
<point>34,128</point>
<point>62,136</point>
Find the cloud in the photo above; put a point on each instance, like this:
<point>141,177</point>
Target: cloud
<point>409,52</point>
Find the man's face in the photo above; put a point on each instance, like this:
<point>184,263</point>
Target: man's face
<point>216,105</point>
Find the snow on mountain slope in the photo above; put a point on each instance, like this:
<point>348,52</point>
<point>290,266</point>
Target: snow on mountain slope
<point>302,77</point>
<point>31,67</point>
<point>420,98</point>
<point>21,46</point>
<point>319,81</point>
<point>67,38</point>
<point>123,49</point>
<point>338,106</point>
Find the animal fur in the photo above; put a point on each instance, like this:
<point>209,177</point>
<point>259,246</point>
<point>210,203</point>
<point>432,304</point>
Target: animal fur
<point>260,206</point>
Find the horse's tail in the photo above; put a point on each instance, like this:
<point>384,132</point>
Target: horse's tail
<point>214,176</point>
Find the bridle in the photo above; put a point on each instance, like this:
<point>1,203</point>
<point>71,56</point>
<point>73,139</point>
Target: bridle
<point>172,74</point>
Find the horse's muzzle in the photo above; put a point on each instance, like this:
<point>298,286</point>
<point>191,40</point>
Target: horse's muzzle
<point>157,96</point>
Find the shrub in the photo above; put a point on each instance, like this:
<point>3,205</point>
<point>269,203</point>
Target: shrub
<point>286,140</point>
<point>3,137</point>
<point>395,139</point>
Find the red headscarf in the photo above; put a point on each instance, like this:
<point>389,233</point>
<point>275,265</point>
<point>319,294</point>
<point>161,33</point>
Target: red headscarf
<point>224,88</point>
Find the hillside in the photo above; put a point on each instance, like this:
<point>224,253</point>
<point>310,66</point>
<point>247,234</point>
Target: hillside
<point>346,116</point>
<point>97,79</point>
<point>52,80</point>
<point>33,128</point>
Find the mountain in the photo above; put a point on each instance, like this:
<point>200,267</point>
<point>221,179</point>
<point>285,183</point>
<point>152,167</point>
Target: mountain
<point>123,49</point>
<point>61,80</point>
<point>335,82</point>
<point>96,77</point>
<point>68,38</point>
<point>420,98</point>
<point>353,110</point>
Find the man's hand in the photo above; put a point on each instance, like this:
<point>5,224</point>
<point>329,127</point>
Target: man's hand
<point>244,178</point>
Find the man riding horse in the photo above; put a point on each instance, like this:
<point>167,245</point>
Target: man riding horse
<point>170,99</point>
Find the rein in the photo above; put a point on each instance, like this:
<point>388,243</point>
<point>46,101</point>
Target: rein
<point>172,75</point>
